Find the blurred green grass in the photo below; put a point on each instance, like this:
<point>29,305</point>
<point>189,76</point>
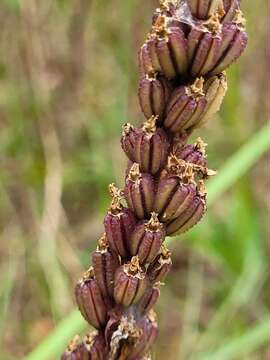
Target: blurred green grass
<point>67,84</point>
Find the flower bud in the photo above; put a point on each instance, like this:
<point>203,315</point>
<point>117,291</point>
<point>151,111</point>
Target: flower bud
<point>95,344</point>
<point>161,266</point>
<point>76,350</point>
<point>193,153</point>
<point>214,47</point>
<point>139,192</point>
<point>191,216</point>
<point>90,301</point>
<point>153,94</point>
<point>105,262</point>
<point>150,298</point>
<point>119,224</point>
<point>192,105</point>
<point>148,146</point>
<point>147,239</point>
<point>130,283</point>
<point>165,51</point>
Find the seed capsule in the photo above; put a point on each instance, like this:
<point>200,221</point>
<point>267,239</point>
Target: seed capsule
<point>191,106</point>
<point>153,94</point>
<point>193,153</point>
<point>95,344</point>
<point>165,51</point>
<point>130,283</point>
<point>150,298</point>
<point>139,192</point>
<point>147,239</point>
<point>76,350</point>
<point>191,216</point>
<point>148,332</point>
<point>119,224</point>
<point>90,301</point>
<point>203,9</point>
<point>148,146</point>
<point>105,262</point>
<point>161,266</point>
<point>176,190</point>
<point>214,47</point>
<point>133,338</point>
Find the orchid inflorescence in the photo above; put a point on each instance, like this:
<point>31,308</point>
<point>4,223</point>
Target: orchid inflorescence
<point>182,85</point>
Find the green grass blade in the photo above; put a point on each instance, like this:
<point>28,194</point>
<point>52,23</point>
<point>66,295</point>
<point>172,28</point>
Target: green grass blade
<point>54,344</point>
<point>239,163</point>
<point>233,169</point>
<point>246,344</point>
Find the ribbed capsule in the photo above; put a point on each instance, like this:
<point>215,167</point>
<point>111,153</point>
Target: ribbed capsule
<point>148,146</point>
<point>149,299</point>
<point>96,346</point>
<point>147,239</point>
<point>130,283</point>
<point>90,300</point>
<point>148,332</point>
<point>192,215</point>
<point>133,338</point>
<point>191,106</point>
<point>119,224</point>
<point>161,266</point>
<point>203,9</point>
<point>105,262</point>
<point>215,46</point>
<point>191,153</point>
<point>165,51</point>
<point>176,190</point>
<point>76,350</point>
<point>139,192</point>
<point>154,92</point>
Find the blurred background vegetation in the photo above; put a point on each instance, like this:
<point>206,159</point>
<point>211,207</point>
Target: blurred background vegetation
<point>68,81</point>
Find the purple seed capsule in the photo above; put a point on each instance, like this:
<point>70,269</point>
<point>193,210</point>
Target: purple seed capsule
<point>147,239</point>
<point>154,92</point>
<point>133,337</point>
<point>90,300</point>
<point>150,298</point>
<point>148,330</point>
<point>203,9</point>
<point>139,192</point>
<point>119,224</point>
<point>192,153</point>
<point>130,283</point>
<point>176,189</point>
<point>191,106</point>
<point>105,262</point>
<point>165,51</point>
<point>148,146</point>
<point>215,46</point>
<point>191,216</point>
<point>161,266</point>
